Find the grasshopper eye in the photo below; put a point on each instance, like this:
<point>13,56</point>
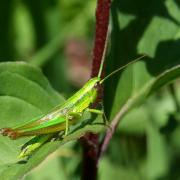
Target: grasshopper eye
<point>96,85</point>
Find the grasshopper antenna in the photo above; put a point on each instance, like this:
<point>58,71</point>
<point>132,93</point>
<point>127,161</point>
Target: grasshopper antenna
<point>104,55</point>
<point>117,70</point>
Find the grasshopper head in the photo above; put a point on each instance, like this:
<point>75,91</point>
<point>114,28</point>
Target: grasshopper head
<point>92,87</point>
<point>92,83</point>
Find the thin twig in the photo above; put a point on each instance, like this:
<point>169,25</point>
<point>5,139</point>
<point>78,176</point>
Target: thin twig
<point>114,124</point>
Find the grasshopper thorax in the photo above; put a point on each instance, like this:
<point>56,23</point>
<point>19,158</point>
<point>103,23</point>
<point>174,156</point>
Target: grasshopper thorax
<point>91,88</point>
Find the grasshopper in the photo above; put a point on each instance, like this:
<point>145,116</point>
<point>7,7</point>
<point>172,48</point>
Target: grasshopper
<point>60,118</point>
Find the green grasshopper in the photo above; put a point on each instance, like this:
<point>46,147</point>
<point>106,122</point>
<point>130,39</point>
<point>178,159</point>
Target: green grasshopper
<point>60,118</point>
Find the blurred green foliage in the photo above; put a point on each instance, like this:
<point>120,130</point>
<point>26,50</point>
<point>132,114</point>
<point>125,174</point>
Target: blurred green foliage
<point>146,144</point>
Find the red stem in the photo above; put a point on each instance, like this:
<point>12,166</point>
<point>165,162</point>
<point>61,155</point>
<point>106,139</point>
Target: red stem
<point>90,142</point>
<point>102,22</point>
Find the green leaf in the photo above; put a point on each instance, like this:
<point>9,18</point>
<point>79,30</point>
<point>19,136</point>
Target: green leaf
<point>136,98</point>
<point>109,170</point>
<point>165,78</point>
<point>163,107</point>
<point>157,150</point>
<point>24,94</point>
<point>155,33</point>
<point>134,33</point>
